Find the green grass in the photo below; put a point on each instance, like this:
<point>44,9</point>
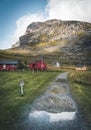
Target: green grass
<point>12,104</point>
<point>80,85</point>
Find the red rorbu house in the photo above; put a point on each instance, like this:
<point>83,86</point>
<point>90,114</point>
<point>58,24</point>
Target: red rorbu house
<point>8,65</point>
<point>39,65</point>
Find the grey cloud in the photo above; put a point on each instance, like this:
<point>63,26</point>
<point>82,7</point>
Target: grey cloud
<point>69,9</point>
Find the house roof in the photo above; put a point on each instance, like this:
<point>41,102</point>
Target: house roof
<point>9,62</point>
<point>80,65</point>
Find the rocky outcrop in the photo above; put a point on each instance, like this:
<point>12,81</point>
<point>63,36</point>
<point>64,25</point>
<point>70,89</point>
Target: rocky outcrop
<point>17,44</point>
<point>53,30</point>
<point>69,41</point>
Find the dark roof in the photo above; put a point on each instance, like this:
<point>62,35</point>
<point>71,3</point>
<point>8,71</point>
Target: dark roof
<point>80,65</point>
<point>9,62</point>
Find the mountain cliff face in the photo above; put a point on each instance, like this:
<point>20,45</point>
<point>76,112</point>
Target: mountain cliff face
<point>68,40</point>
<point>53,30</point>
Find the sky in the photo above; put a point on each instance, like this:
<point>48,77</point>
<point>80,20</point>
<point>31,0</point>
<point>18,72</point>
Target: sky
<point>16,15</point>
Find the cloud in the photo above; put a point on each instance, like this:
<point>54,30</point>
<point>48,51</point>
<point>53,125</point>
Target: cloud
<point>55,9</point>
<point>69,10</point>
<point>21,25</point>
<point>5,44</point>
<point>23,22</point>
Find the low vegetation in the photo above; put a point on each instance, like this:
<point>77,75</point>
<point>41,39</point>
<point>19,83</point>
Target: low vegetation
<point>80,85</point>
<point>12,105</point>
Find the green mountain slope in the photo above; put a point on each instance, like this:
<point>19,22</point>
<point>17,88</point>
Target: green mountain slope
<point>66,41</point>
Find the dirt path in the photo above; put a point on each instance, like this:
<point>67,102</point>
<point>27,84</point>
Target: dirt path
<point>55,109</point>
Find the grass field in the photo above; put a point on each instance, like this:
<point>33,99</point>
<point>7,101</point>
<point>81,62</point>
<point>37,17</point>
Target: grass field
<point>14,107</point>
<point>12,104</point>
<point>80,85</point>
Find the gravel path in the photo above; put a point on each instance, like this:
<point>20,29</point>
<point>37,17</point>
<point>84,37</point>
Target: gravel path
<point>55,109</point>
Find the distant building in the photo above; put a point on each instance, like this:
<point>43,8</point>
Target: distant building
<point>8,65</point>
<point>57,64</point>
<point>39,65</point>
<point>81,67</point>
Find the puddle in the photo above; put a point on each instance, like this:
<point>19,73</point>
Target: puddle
<point>55,109</point>
<point>52,117</point>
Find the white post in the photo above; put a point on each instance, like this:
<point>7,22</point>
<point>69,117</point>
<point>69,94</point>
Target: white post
<point>21,87</point>
<point>33,71</point>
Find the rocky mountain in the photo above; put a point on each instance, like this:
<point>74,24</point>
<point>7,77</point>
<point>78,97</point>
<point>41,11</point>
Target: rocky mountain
<point>17,44</point>
<point>65,40</point>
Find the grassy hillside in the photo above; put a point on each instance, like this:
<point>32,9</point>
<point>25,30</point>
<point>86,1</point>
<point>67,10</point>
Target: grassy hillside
<point>80,85</point>
<point>12,104</point>
<point>11,55</point>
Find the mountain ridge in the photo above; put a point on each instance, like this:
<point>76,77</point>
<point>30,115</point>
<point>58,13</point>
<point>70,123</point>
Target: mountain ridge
<point>52,30</point>
<point>69,39</point>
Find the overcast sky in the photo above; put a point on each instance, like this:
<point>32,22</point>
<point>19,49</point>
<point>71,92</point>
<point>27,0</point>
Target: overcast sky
<point>16,15</point>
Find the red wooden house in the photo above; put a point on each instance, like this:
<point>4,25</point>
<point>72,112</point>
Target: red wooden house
<point>39,65</point>
<point>8,65</point>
